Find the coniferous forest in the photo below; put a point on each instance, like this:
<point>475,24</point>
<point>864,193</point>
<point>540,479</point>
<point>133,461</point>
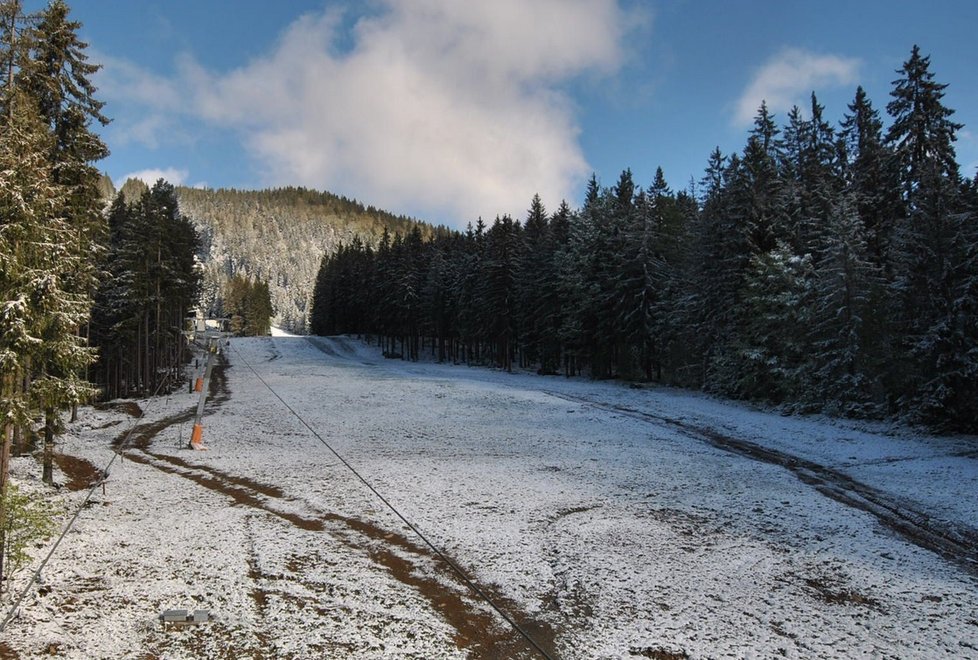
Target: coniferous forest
<point>151,284</point>
<point>825,267</point>
<point>51,226</point>
<point>94,299</point>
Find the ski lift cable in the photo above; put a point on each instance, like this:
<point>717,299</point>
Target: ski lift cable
<point>441,555</point>
<point>105,472</point>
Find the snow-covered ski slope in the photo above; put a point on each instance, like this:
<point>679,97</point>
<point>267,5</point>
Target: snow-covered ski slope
<point>607,521</point>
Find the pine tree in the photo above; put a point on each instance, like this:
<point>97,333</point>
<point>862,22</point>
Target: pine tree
<point>931,243</point>
<point>612,217</point>
<point>499,287</point>
<point>15,44</point>
<point>438,302</point>
<point>469,293</point>
<point>821,183</point>
<point>56,78</point>
<point>650,252</point>
<point>534,287</point>
<point>771,359</point>
<point>151,282</point>
<point>715,261</point>
<point>579,291</point>
<point>113,315</point>
<point>922,133</point>
<point>872,179</point>
<point>29,267</point>
<point>755,187</point>
<point>844,327</point>
<point>44,309</point>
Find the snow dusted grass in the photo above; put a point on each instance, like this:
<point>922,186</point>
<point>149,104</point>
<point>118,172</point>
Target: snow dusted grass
<point>605,532</point>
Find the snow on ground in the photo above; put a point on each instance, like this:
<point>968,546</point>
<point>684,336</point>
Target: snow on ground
<point>597,516</point>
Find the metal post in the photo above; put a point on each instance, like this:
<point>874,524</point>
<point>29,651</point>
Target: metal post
<point>198,432</point>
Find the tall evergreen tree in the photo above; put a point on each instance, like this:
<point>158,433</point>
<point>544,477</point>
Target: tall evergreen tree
<point>845,330</point>
<point>931,242</point>
<point>46,68</point>
<point>872,179</point>
<point>579,290</point>
<point>15,45</point>
<point>922,134</point>
<point>500,290</point>
<point>715,261</point>
<point>537,302</point>
<point>771,354</point>
<point>32,268</point>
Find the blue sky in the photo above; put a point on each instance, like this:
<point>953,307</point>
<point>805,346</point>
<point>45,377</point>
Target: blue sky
<point>449,110</point>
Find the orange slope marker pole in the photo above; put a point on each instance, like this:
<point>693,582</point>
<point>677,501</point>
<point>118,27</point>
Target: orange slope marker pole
<point>196,438</point>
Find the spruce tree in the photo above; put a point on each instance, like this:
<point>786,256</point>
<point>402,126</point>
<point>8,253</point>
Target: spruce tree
<point>922,134</point>
<point>871,175</point>
<point>56,78</point>
<point>579,290</point>
<point>931,260</point>
<point>771,353</point>
<point>844,326</point>
<point>40,262</point>
<point>715,261</point>
<point>29,281</point>
<point>499,290</point>
<point>537,299</point>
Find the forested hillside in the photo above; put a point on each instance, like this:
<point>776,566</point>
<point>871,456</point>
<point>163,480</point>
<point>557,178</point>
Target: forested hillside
<point>278,236</point>
<point>823,268</point>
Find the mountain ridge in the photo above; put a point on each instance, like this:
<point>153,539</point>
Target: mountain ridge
<point>278,235</point>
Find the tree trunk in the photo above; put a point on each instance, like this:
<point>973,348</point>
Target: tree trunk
<point>47,469</point>
<point>5,443</point>
<point>146,372</point>
<point>10,385</point>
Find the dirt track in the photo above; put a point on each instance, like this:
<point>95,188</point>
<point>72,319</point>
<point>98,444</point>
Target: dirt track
<point>956,543</point>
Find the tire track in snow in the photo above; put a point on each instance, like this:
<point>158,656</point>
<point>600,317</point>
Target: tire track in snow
<point>477,630</point>
<point>955,542</point>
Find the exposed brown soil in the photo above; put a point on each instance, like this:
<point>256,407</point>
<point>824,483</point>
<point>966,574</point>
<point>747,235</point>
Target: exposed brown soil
<point>81,474</point>
<point>260,596</point>
<point>657,654</point>
<point>7,653</point>
<point>131,408</point>
<point>839,596</point>
<point>478,631</point>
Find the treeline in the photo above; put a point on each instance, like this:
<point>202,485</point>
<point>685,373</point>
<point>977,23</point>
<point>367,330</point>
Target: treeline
<point>247,305</point>
<point>821,269</point>
<point>150,282</point>
<point>278,236</point>
<point>51,225</point>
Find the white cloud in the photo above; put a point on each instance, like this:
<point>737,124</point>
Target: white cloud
<point>158,98</point>
<point>439,108</point>
<point>789,77</point>
<point>151,176</point>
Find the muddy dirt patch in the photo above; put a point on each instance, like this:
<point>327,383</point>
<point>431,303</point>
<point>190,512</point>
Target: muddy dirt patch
<point>81,474</point>
<point>130,408</point>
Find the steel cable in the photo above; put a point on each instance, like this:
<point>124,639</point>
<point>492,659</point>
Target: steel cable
<point>91,491</point>
<point>458,571</point>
